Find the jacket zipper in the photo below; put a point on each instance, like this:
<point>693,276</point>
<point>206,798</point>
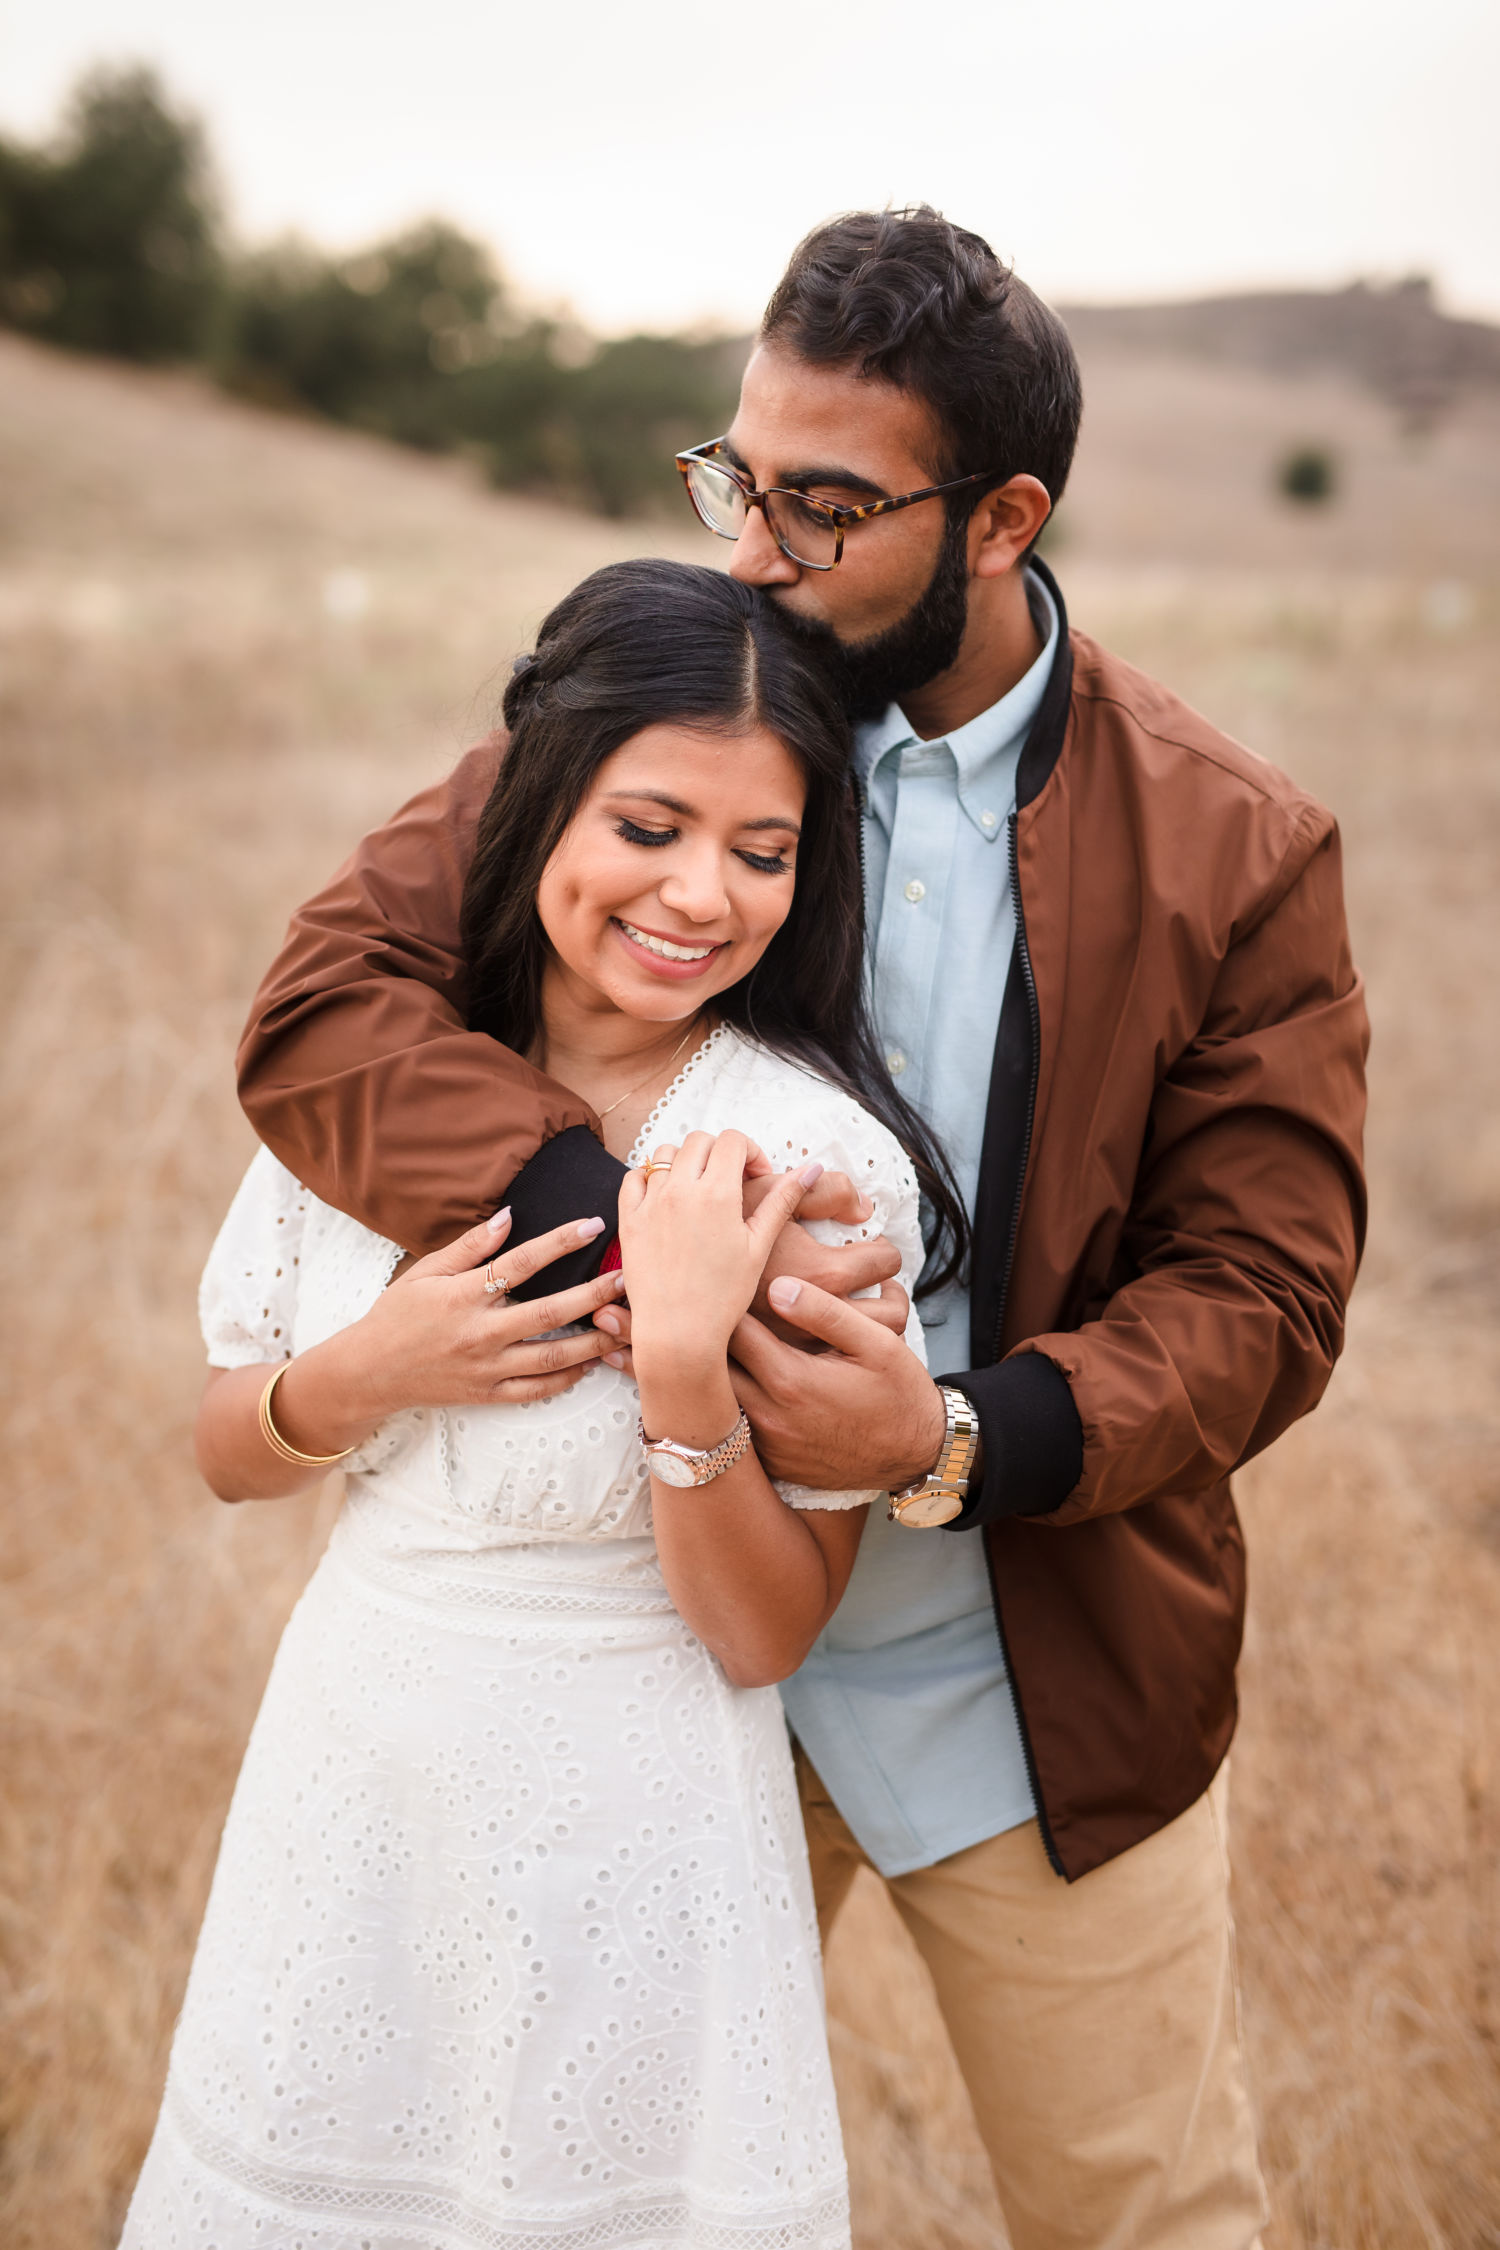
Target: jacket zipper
<point>861,813</point>
<point>1023,954</point>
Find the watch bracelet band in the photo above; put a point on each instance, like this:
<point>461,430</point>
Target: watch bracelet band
<point>708,1461</point>
<point>950,1472</point>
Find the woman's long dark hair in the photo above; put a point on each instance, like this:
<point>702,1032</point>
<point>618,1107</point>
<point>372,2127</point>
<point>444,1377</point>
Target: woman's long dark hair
<point>653,643</point>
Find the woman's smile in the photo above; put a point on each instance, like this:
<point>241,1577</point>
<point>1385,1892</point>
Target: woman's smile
<point>678,958</point>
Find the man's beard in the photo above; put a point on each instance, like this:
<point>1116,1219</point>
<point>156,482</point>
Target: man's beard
<point>869,675</point>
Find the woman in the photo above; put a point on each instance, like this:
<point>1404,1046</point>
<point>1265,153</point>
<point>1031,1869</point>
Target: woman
<point>511,1938</point>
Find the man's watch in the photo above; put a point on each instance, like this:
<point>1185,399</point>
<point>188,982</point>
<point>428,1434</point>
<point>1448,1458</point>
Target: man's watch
<point>940,1495</point>
<point>683,1465</point>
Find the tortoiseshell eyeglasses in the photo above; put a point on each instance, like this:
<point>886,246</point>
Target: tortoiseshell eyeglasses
<point>809,532</point>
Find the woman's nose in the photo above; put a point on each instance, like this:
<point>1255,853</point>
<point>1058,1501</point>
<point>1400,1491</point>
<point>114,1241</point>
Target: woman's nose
<point>696,888</point>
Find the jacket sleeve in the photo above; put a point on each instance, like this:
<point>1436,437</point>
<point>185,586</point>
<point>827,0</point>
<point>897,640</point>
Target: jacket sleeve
<point>1239,1249</point>
<point>357,1071</point>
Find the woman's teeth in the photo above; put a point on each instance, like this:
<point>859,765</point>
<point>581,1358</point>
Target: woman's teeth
<point>665,947</point>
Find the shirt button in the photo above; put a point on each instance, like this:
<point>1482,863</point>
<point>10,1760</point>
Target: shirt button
<point>895,1062</point>
<point>916,891</point>
<point>987,819</point>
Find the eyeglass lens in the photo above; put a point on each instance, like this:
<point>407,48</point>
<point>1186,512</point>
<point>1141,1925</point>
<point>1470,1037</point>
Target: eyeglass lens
<point>799,526</point>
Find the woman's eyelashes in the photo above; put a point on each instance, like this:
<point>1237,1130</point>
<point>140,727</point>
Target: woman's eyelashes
<point>766,863</point>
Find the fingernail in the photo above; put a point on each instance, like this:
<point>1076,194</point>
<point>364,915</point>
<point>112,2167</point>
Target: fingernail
<point>608,1320</point>
<point>501,1219</point>
<point>614,1359</point>
<point>810,1174</point>
<point>589,1228</point>
<point>867,1206</point>
<point>783,1291</point>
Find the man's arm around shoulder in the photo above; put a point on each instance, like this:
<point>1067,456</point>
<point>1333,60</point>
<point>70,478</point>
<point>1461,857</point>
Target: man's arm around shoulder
<point>357,1069</point>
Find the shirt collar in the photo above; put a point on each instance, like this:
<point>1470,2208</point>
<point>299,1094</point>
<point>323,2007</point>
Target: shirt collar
<point>981,749</point>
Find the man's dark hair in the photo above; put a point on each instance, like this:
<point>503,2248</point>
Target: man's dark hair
<point>909,298</point>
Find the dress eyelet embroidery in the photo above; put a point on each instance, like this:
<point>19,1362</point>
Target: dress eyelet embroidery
<point>650,1133</point>
<point>511,1943</point>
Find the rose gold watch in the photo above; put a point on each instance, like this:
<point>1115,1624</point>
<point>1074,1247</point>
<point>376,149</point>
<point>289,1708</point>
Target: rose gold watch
<point>684,1465</point>
<point>939,1496</point>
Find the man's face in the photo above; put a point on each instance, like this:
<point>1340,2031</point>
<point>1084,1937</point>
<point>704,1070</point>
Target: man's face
<point>892,615</point>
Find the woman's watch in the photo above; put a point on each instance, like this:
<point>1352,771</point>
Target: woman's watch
<point>940,1495</point>
<point>683,1465</point>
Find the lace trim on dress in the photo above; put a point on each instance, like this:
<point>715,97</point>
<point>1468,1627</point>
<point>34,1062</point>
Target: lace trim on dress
<point>430,1585</point>
<point>808,1496</point>
<point>641,1148</point>
<point>655,2220</point>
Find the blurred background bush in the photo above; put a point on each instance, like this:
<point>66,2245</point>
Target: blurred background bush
<point>112,240</point>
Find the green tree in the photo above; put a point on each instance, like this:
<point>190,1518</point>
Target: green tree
<point>375,340</point>
<point>109,241</point>
<point>636,403</point>
<point>417,339</point>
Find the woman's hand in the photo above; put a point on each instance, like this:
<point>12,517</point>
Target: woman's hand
<point>692,1257</point>
<point>435,1337</point>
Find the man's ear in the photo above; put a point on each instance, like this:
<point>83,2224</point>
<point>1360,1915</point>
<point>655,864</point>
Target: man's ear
<point>1004,524</point>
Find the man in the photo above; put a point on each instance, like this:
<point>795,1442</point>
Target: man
<point>1110,965</point>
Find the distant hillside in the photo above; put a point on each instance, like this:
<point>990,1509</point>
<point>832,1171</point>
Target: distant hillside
<point>1394,340</point>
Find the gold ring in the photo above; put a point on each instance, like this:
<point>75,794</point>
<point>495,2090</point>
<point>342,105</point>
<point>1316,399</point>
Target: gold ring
<point>653,1166</point>
<point>495,1284</point>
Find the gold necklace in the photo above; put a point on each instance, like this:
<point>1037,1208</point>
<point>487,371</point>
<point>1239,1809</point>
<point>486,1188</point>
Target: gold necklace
<point>676,1051</point>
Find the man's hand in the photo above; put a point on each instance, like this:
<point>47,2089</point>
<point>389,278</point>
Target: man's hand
<point>839,1271</point>
<point>796,1256</point>
<point>862,1414</point>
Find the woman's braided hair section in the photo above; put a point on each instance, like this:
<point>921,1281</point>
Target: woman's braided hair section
<point>526,683</point>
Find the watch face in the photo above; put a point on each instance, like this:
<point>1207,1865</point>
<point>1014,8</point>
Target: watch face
<point>670,1468</point>
<point>925,1509</point>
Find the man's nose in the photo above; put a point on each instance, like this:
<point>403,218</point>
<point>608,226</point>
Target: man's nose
<point>757,560</point>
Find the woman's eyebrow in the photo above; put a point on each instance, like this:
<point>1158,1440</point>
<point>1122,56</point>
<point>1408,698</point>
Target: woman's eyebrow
<point>653,797</point>
<point>784,822</point>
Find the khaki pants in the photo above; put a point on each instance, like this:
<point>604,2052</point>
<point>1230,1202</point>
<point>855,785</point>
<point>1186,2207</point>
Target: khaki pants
<point>1096,2025</point>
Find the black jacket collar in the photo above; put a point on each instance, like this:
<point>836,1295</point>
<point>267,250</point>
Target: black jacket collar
<point>1044,742</point>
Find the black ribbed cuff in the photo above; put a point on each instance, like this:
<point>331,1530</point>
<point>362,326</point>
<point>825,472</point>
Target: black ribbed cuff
<point>1033,1438</point>
<point>572,1176</point>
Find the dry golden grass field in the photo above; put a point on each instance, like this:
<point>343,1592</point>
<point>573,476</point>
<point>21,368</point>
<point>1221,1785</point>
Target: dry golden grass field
<point>227,644</point>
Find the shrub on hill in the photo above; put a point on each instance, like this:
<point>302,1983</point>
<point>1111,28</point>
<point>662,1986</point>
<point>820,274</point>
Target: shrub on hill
<point>417,339</point>
<point>110,241</point>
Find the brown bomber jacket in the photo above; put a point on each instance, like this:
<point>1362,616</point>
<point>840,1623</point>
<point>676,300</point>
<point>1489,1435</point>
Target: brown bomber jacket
<point>1170,1206</point>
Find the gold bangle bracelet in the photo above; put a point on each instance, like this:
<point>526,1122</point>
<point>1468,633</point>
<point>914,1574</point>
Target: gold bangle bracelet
<point>277,1442</point>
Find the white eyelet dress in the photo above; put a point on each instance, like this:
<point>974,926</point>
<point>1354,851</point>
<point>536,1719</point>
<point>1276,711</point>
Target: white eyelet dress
<point>511,1943</point>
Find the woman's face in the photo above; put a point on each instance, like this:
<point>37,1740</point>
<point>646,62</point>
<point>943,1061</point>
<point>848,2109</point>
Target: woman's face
<point>676,871</point>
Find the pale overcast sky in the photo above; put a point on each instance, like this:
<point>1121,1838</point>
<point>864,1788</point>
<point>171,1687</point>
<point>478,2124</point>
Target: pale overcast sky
<point>653,164</point>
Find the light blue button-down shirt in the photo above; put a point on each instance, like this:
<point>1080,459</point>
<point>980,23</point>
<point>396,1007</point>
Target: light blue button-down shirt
<point>903,1704</point>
